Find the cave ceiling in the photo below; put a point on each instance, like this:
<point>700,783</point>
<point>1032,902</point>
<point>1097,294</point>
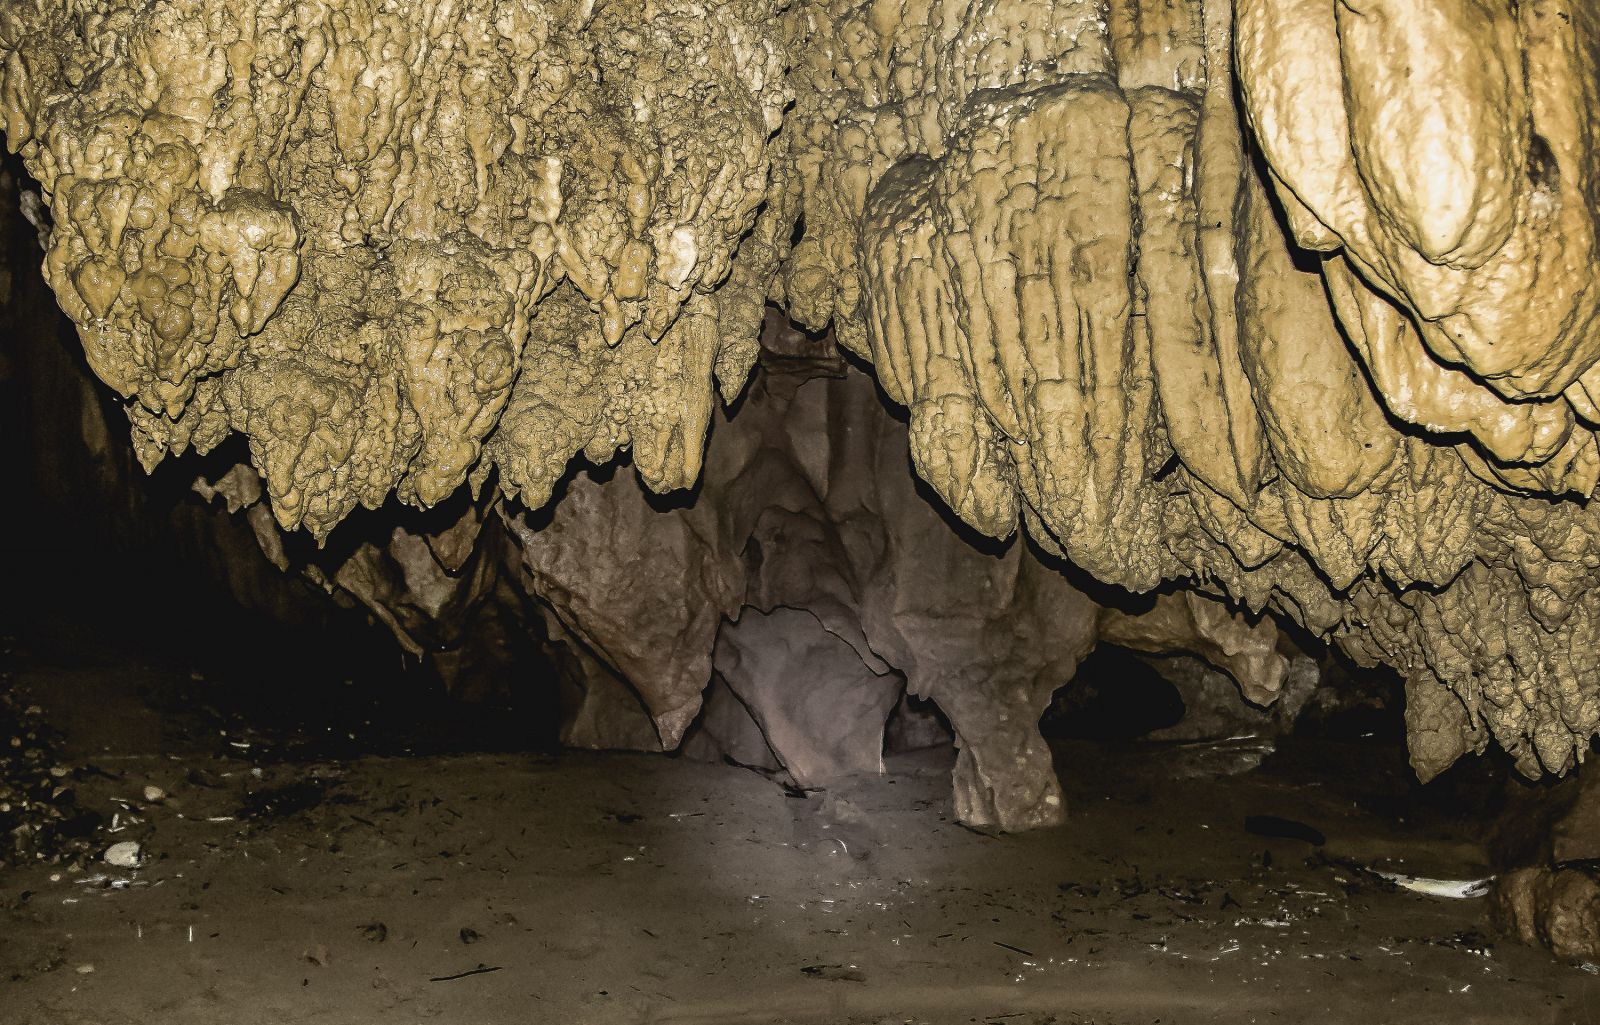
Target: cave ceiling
<point>1290,302</point>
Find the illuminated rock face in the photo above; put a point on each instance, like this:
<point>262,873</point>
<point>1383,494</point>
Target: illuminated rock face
<point>366,234</point>
<point>809,523</point>
<point>1293,301</point>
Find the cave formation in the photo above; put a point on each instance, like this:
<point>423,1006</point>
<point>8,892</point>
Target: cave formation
<point>909,351</point>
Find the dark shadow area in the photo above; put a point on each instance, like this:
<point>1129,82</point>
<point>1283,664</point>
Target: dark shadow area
<point>1354,703</point>
<point>1114,696</point>
<point>109,565</point>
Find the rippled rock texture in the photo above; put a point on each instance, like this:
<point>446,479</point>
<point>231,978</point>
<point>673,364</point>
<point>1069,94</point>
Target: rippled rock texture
<point>1290,301</point>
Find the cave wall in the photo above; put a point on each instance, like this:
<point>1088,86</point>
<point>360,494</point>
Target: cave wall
<point>808,504</point>
<point>1289,301</point>
<point>807,584</point>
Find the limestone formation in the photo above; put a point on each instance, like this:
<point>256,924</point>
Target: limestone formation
<point>808,516</point>
<point>1556,908</point>
<point>821,709</point>
<point>779,616</point>
<point>1328,366</point>
<point>1291,302</point>
<point>1548,853</point>
<point>344,230</point>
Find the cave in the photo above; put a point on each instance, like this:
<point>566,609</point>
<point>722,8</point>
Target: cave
<point>727,511</point>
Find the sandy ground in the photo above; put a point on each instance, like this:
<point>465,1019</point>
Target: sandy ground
<point>306,872</point>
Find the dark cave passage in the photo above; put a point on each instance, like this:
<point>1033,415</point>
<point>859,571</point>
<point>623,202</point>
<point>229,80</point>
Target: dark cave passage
<point>1115,695</point>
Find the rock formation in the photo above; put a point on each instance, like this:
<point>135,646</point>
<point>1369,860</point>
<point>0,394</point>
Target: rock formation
<point>806,581</point>
<point>1289,301</point>
<point>1548,891</point>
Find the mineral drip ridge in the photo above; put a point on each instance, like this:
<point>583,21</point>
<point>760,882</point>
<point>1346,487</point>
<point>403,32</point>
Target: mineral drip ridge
<point>1292,301</point>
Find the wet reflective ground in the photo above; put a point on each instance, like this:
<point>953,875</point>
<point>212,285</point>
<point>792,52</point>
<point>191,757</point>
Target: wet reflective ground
<point>287,881</point>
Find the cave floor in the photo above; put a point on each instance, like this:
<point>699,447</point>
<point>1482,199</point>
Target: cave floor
<point>287,884</point>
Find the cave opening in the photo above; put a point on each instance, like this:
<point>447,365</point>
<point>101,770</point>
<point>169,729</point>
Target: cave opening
<point>1114,695</point>
<point>727,529</point>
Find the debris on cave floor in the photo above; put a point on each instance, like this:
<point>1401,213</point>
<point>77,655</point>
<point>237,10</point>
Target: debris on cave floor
<point>41,818</point>
<point>503,886</point>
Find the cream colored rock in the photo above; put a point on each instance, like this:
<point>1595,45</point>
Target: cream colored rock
<point>1454,177</point>
<point>331,227</point>
<point>1313,453</point>
<point>1419,390</point>
<point>1326,430</point>
<point>407,247</point>
<point>1438,120</point>
<point>1187,622</point>
<point>1188,368</point>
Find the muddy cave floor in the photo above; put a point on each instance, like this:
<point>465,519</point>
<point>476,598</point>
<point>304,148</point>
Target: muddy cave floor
<point>330,867</point>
